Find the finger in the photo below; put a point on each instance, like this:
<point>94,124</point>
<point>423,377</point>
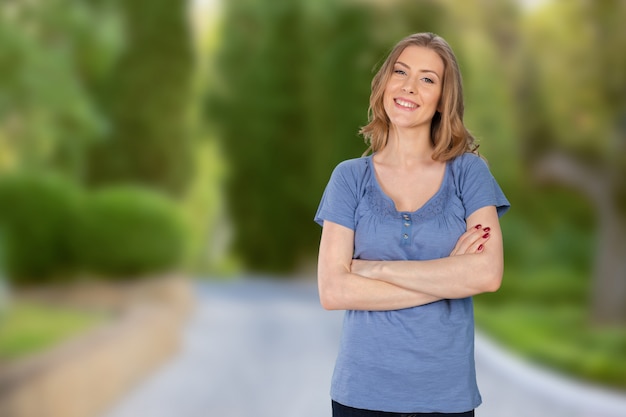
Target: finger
<point>462,243</point>
<point>471,240</point>
<point>479,244</point>
<point>467,239</point>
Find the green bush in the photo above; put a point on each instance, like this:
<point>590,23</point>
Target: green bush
<point>36,212</point>
<point>128,231</point>
<point>52,230</point>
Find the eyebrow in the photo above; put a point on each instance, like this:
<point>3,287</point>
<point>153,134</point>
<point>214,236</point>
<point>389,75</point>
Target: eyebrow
<point>421,70</point>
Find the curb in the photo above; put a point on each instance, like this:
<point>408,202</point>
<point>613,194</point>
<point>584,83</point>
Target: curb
<point>84,376</point>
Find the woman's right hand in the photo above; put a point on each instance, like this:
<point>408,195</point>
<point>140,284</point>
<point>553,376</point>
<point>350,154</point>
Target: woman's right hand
<point>471,242</point>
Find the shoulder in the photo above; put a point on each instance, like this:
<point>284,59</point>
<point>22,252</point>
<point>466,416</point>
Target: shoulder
<point>354,165</point>
<point>354,169</point>
<point>469,165</point>
<point>468,161</point>
<point>469,169</point>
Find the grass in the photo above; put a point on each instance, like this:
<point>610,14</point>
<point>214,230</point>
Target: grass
<point>544,317</point>
<point>542,310</point>
<point>26,329</point>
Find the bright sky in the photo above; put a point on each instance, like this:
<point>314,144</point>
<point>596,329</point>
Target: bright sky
<point>203,12</point>
<point>532,4</point>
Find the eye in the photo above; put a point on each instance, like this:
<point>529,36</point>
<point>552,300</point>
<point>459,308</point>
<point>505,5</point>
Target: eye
<point>428,80</point>
<point>399,71</point>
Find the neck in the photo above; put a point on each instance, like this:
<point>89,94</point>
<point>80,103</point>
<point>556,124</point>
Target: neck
<point>408,146</point>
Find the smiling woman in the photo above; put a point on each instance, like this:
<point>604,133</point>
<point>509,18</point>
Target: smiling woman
<point>410,234</point>
<point>413,91</point>
<point>448,133</point>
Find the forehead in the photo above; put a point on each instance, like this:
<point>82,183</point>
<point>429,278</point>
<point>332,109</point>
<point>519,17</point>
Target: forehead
<point>422,58</point>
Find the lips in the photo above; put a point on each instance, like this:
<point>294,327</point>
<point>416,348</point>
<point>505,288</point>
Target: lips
<point>409,105</point>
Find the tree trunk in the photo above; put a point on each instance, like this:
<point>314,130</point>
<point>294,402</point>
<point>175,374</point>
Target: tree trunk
<point>609,286</point>
<point>608,294</point>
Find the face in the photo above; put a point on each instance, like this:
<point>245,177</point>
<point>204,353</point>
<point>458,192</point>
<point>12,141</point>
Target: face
<point>414,88</point>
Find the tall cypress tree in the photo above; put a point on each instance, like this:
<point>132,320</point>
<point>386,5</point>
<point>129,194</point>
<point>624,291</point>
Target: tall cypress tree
<point>148,98</point>
<point>290,92</point>
<point>258,111</point>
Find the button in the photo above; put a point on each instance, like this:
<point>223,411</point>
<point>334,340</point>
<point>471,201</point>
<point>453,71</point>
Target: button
<point>405,236</point>
<point>407,224</point>
<point>406,217</point>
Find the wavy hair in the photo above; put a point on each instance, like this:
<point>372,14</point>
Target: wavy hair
<point>449,135</point>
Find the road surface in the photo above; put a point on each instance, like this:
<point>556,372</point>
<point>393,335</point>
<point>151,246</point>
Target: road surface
<point>264,348</point>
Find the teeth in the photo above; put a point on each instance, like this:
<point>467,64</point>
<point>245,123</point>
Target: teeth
<point>406,104</point>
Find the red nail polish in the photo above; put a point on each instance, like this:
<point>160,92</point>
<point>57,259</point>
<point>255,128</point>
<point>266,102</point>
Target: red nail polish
<point>486,235</point>
<point>480,248</point>
<point>486,229</point>
<point>478,226</point>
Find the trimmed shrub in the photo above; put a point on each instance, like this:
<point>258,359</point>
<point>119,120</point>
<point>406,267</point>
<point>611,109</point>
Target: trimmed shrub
<point>52,229</point>
<point>36,213</point>
<point>126,231</point>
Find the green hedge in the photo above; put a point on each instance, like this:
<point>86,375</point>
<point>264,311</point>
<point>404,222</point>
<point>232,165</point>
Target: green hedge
<point>35,214</point>
<point>128,231</point>
<point>54,231</point>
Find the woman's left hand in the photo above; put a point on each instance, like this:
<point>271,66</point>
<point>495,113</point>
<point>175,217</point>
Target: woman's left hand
<point>472,241</point>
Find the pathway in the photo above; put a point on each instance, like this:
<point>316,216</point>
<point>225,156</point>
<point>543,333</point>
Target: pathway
<point>266,349</point>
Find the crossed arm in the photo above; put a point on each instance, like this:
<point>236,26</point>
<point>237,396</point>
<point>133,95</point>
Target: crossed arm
<point>473,267</point>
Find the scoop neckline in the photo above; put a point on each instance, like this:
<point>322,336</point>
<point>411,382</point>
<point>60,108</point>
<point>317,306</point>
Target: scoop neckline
<point>393,203</point>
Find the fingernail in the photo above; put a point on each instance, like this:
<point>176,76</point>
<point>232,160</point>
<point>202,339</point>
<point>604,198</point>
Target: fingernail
<point>478,226</point>
<point>486,229</point>
<point>486,235</point>
<point>480,248</point>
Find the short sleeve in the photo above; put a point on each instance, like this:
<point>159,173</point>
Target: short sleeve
<point>477,186</point>
<point>340,200</point>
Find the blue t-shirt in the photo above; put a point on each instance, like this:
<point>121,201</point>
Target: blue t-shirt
<point>418,359</point>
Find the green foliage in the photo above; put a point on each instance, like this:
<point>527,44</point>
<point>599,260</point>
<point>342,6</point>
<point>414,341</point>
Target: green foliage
<point>552,227</point>
<point>148,98</point>
<point>206,214</point>
<point>36,213</point>
<point>127,231</point>
<point>560,338</point>
<point>260,117</point>
<point>582,87</point>
<point>541,311</point>
<point>98,90</point>
<point>576,99</point>
<point>53,53</point>
<point>53,230</point>
<point>290,92</point>
<point>548,261</point>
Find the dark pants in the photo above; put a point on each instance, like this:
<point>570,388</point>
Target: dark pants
<point>340,410</point>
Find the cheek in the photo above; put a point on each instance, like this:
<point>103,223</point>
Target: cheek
<point>387,101</point>
<point>435,98</point>
<point>435,93</point>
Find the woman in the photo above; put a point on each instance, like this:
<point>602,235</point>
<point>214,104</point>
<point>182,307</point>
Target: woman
<point>410,234</point>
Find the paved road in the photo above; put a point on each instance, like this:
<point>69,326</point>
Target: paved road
<point>266,349</point>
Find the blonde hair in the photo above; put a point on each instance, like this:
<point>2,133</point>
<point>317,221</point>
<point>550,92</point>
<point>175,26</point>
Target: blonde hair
<point>449,135</point>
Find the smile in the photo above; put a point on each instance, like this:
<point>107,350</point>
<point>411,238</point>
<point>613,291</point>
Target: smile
<point>405,104</point>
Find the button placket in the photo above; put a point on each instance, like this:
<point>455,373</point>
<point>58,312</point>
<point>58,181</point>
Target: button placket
<point>406,229</point>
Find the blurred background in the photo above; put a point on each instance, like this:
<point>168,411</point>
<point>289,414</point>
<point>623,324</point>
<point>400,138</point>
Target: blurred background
<point>151,136</point>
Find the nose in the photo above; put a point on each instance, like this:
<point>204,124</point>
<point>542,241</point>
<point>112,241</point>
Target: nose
<point>409,86</point>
